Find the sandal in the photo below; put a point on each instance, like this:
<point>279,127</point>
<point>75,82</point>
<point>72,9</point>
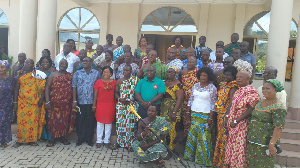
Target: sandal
<point>65,142</point>
<point>17,144</point>
<point>114,147</point>
<point>33,144</point>
<point>160,163</point>
<point>106,145</point>
<point>4,145</point>
<point>50,144</point>
<point>130,149</point>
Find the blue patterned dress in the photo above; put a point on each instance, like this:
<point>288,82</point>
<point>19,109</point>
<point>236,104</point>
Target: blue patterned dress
<point>7,86</point>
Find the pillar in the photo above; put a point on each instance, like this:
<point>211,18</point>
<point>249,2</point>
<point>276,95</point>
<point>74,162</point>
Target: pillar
<point>240,19</point>
<point>46,28</point>
<point>203,21</point>
<point>27,27</point>
<point>295,89</point>
<point>279,35</point>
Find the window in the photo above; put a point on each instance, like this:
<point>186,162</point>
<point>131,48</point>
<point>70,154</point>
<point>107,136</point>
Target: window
<point>256,33</point>
<point>169,19</point>
<point>3,18</point>
<point>79,24</point>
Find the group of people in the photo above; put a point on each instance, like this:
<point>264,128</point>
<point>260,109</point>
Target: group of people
<point>197,97</point>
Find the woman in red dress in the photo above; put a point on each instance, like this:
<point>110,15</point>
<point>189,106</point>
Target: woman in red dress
<point>104,104</point>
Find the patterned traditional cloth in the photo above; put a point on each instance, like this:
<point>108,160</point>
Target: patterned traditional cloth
<point>198,144</point>
<point>262,124</point>
<point>118,52</point>
<point>125,119</point>
<point>7,86</point>
<point>161,70</point>
<point>243,65</point>
<point>161,127</point>
<point>176,62</point>
<point>198,51</point>
<point>232,47</point>
<point>139,54</point>
<point>235,154</point>
<point>30,117</point>
<point>177,50</point>
<point>99,59</point>
<point>215,66</point>
<point>222,109</point>
<point>145,60</point>
<point>46,135</point>
<point>61,116</point>
<point>188,81</point>
<point>135,70</point>
<point>199,64</point>
<point>167,105</point>
<point>91,54</point>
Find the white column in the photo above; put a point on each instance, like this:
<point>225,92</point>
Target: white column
<point>295,89</point>
<point>27,27</point>
<point>240,12</point>
<point>279,35</point>
<point>203,21</point>
<point>46,28</point>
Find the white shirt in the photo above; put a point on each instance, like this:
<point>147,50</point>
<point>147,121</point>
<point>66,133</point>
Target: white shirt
<point>280,95</point>
<point>213,56</point>
<point>203,99</point>
<point>71,58</point>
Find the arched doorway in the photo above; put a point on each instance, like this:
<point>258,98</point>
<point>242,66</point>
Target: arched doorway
<point>256,33</point>
<point>161,25</point>
<point>3,34</point>
<point>78,24</point>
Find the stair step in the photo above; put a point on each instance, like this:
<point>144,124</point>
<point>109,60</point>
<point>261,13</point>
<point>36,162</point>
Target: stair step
<point>290,145</point>
<point>292,124</point>
<point>293,113</point>
<point>288,133</point>
<point>288,158</point>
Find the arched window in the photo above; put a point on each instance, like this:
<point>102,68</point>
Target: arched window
<point>79,24</point>
<point>256,33</point>
<point>169,19</point>
<point>3,32</point>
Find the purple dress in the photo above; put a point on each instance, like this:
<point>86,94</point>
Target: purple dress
<point>6,107</point>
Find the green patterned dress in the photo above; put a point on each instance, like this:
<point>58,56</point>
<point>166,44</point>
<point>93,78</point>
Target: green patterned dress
<point>161,127</point>
<point>126,120</point>
<point>262,124</point>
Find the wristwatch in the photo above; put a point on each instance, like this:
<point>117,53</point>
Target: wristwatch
<point>234,121</point>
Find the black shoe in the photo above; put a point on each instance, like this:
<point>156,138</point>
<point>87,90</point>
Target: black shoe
<point>91,144</point>
<point>78,143</point>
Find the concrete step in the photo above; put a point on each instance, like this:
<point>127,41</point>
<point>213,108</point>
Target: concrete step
<point>288,158</point>
<point>292,124</point>
<point>293,134</point>
<point>290,145</point>
<point>293,113</point>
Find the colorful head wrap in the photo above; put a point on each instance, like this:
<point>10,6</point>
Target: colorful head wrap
<point>243,65</point>
<point>5,63</point>
<point>176,69</point>
<point>277,84</point>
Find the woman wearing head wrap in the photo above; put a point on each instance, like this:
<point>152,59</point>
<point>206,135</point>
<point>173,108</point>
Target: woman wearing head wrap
<point>7,85</point>
<point>266,124</point>
<point>171,104</point>
<point>243,103</point>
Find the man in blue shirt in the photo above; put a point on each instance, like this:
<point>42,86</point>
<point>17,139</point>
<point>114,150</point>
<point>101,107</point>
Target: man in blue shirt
<point>149,91</point>
<point>247,56</point>
<point>190,53</point>
<point>83,93</point>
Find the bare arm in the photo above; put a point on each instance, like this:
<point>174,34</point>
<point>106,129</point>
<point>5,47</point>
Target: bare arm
<point>95,98</point>
<point>158,97</point>
<point>117,89</point>
<point>139,98</point>
<point>47,89</point>
<point>253,71</point>
<point>179,96</point>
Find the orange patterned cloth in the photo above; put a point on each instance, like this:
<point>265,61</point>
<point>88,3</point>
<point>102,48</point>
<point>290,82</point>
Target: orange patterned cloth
<point>222,105</point>
<point>30,117</point>
<point>188,81</point>
<point>236,148</point>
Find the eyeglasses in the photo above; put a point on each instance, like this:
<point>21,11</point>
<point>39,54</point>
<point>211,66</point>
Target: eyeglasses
<point>226,62</point>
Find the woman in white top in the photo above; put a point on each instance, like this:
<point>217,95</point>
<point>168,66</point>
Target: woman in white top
<point>202,106</point>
